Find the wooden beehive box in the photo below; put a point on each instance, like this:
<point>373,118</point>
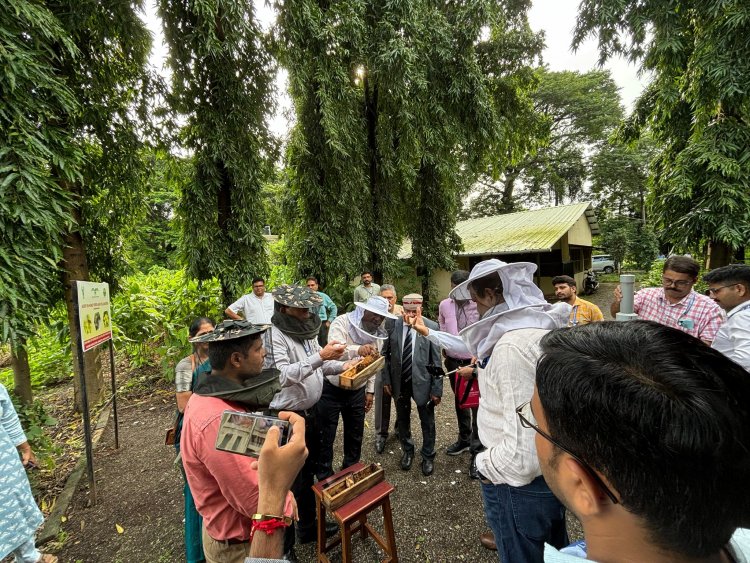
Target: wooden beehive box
<point>351,379</point>
<point>338,493</point>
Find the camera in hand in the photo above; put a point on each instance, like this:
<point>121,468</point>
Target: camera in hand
<point>244,433</point>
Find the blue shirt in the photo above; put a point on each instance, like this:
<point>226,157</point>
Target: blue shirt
<point>327,311</point>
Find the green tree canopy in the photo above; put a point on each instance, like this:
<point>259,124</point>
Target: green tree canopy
<point>572,115</point>
<point>222,83</point>
<point>396,105</point>
<point>697,108</point>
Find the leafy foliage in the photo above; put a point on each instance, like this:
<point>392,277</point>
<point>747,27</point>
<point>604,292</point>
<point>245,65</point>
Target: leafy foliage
<point>222,83</point>
<point>152,312</point>
<point>397,106</point>
<point>36,152</point>
<point>697,108</point>
<point>629,239</point>
<point>50,360</point>
<point>619,178</point>
<point>155,242</point>
<point>572,114</point>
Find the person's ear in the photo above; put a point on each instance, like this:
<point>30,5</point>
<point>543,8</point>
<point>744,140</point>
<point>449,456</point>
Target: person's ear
<point>235,360</point>
<point>584,494</point>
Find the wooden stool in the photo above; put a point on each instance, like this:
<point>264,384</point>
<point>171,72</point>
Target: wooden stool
<point>352,518</point>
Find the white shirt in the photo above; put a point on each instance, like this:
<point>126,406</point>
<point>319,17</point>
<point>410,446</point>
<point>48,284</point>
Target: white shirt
<point>733,338</point>
<point>256,310</point>
<point>507,382</point>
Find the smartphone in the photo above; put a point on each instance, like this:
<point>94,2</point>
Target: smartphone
<point>244,432</point>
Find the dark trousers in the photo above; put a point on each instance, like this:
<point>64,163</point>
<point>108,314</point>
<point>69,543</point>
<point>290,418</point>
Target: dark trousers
<point>350,405</point>
<point>302,486</point>
<point>467,418</point>
<point>382,408</point>
<point>426,418</point>
<point>323,334</point>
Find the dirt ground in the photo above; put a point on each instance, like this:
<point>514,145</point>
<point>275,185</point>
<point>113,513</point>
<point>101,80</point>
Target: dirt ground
<point>139,511</point>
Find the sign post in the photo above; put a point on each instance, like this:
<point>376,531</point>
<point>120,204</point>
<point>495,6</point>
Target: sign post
<point>91,302</point>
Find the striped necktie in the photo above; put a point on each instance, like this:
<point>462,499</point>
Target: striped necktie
<point>406,357</point>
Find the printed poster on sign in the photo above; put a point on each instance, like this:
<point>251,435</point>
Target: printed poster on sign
<point>94,313</point>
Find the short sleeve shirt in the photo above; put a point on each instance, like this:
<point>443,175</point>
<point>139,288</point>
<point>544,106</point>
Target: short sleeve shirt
<point>257,311</point>
<point>695,314</point>
<point>183,377</point>
<point>584,312</point>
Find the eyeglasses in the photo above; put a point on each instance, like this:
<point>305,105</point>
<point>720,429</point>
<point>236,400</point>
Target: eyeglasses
<point>677,283</point>
<point>715,290</point>
<point>526,415</point>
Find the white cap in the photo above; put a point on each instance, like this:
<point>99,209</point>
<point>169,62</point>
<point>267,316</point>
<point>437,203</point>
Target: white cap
<point>377,305</point>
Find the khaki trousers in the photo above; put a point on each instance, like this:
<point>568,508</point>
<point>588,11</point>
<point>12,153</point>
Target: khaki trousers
<point>220,552</point>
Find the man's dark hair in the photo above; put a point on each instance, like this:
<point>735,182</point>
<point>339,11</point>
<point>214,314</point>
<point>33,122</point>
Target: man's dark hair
<point>197,324</point>
<point>663,417</point>
<point>219,351</point>
<point>312,278</point>
<point>256,280</point>
<point>734,273</point>
<point>365,272</point>
<point>459,276</point>
<point>490,281</point>
<point>683,265</point>
<point>564,279</point>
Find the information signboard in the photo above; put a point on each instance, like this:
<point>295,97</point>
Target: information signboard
<point>94,314</point>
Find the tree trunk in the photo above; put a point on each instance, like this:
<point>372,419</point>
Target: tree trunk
<point>719,254</point>
<point>75,267</point>
<point>506,202</point>
<point>371,120</point>
<point>19,361</point>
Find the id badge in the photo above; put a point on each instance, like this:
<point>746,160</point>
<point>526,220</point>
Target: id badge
<point>687,324</point>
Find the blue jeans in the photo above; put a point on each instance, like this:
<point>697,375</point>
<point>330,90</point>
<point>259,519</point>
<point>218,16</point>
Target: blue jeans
<point>523,519</point>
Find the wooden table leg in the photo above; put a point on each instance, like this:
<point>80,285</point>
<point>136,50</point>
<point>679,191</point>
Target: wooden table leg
<point>322,542</point>
<point>346,543</point>
<point>389,533</point>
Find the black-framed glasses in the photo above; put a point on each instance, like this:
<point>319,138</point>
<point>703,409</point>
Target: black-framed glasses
<point>715,290</point>
<point>526,415</point>
<point>677,283</point>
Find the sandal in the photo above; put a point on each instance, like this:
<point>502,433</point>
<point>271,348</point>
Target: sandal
<point>47,558</point>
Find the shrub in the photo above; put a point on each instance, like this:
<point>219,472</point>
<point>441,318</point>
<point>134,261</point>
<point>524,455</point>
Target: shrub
<point>152,312</point>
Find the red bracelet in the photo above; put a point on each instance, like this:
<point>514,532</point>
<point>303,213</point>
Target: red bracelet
<point>267,526</point>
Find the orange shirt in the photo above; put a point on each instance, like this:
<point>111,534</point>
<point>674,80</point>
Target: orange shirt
<point>584,312</point>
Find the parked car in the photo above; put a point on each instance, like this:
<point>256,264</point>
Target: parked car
<point>603,263</point>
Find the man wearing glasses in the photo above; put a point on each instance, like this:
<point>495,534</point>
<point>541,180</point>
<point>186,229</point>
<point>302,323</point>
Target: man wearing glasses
<point>729,286</point>
<point>256,307</point>
<point>675,304</point>
<point>663,476</point>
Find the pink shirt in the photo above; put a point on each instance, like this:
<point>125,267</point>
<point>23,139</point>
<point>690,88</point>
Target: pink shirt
<point>224,486</point>
<point>454,316</point>
<point>707,317</point>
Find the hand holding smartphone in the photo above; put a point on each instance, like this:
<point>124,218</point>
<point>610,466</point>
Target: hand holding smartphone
<point>244,433</point>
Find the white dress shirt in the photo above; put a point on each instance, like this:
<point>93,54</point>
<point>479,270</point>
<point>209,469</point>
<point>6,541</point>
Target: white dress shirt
<point>506,383</point>
<point>256,310</point>
<point>733,338</point>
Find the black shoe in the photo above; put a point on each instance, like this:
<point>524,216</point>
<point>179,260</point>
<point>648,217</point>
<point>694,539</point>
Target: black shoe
<point>427,467</point>
<point>473,471</point>
<point>457,448</point>
<point>406,460</point>
<point>291,556</point>
<point>380,444</point>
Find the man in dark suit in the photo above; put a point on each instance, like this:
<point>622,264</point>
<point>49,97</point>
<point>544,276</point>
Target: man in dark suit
<point>406,377</point>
